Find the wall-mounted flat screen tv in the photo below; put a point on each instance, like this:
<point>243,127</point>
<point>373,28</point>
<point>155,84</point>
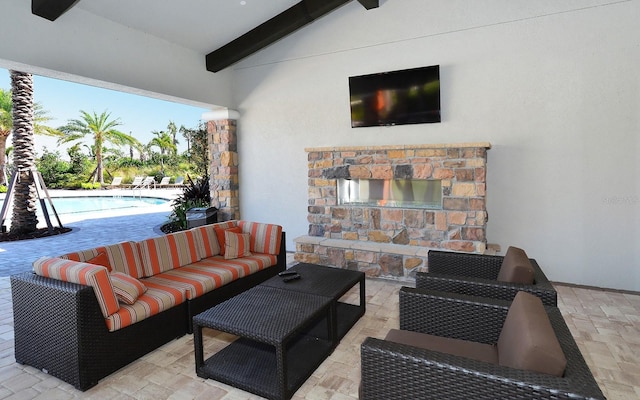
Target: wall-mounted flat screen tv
<point>410,96</point>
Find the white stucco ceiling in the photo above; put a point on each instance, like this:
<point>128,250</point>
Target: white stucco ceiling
<point>200,25</point>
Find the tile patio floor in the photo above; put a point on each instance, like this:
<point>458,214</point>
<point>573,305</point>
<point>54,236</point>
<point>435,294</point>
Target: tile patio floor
<point>606,326</point>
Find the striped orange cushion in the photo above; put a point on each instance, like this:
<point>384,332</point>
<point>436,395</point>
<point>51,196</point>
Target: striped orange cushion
<point>265,238</point>
<point>126,288</point>
<point>92,275</point>
<point>194,280</point>
<point>186,245</point>
<point>124,257</point>
<point>158,254</point>
<point>85,255</point>
<point>236,245</point>
<point>206,241</point>
<point>156,299</point>
<point>240,267</point>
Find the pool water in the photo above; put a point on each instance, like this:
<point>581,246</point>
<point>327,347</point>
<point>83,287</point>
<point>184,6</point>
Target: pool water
<point>72,205</point>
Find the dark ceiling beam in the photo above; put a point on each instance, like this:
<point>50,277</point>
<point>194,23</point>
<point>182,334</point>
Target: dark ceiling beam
<point>51,9</point>
<point>273,30</point>
<point>369,4</point>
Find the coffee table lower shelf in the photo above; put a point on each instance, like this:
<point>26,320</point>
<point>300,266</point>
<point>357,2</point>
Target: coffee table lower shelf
<point>251,366</point>
<point>348,315</point>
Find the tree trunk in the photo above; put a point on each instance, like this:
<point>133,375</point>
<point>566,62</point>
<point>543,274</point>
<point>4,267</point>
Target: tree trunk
<point>99,169</point>
<point>24,218</point>
<point>3,159</point>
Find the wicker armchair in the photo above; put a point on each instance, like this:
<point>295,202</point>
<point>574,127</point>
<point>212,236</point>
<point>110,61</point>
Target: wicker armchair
<point>396,371</point>
<point>475,275</point>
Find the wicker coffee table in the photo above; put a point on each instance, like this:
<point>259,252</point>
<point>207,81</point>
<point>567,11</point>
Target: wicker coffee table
<point>329,282</point>
<point>275,352</point>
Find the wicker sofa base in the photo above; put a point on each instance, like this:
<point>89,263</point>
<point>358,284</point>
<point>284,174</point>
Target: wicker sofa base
<point>59,328</point>
<point>80,350</point>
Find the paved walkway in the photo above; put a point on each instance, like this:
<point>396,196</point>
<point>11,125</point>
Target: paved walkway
<point>90,229</point>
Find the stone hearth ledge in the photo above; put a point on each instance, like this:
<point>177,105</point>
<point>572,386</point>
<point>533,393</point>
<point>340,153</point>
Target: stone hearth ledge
<point>486,145</point>
<point>401,249</point>
<point>377,260</point>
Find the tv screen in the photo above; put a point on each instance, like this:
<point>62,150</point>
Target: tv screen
<point>410,96</point>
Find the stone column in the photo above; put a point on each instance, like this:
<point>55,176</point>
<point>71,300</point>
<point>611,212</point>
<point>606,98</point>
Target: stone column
<point>223,170</point>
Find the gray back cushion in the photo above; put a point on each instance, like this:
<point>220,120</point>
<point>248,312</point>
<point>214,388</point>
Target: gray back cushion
<point>527,340</point>
<point>516,267</point>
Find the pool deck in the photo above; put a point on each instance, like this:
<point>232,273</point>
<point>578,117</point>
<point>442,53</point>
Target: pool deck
<point>90,229</point>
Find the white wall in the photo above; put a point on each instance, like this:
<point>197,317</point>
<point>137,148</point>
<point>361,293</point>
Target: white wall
<point>553,85</point>
<point>87,49</point>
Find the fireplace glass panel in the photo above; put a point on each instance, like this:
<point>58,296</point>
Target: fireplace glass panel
<point>399,193</point>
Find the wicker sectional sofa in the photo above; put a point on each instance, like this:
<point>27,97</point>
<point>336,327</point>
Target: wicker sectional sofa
<point>83,315</point>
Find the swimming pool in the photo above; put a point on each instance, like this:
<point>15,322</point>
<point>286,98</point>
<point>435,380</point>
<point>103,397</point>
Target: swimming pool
<point>74,205</point>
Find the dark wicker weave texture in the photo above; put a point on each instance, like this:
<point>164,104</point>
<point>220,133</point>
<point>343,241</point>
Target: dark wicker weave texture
<point>475,275</point>
<point>394,371</point>
<point>59,328</point>
<point>331,282</point>
<point>265,316</point>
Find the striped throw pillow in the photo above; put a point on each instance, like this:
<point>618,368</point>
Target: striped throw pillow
<point>127,288</point>
<point>220,233</point>
<point>236,245</point>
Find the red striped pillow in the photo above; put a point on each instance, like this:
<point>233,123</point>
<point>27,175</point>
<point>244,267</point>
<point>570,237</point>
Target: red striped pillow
<point>236,245</point>
<point>126,288</point>
<point>101,259</point>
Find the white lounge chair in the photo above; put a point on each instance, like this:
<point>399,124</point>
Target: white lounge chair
<point>179,181</point>
<point>146,183</point>
<point>116,182</point>
<point>137,181</point>
<point>165,181</point>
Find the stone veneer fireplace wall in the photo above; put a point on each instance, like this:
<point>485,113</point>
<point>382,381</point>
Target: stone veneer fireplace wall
<point>393,242</point>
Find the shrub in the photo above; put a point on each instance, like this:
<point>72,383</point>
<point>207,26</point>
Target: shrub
<point>52,168</point>
<point>3,189</point>
<point>194,194</point>
<point>90,185</point>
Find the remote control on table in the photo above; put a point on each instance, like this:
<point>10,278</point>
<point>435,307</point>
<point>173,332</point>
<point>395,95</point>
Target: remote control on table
<point>285,273</point>
<point>291,278</point>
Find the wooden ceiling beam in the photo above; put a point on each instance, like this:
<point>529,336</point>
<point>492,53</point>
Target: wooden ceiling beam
<point>273,30</point>
<point>51,9</point>
<point>369,4</point>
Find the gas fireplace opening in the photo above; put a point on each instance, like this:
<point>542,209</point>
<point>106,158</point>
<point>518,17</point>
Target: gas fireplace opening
<point>395,193</point>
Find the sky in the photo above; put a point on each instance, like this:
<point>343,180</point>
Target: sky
<point>139,115</point>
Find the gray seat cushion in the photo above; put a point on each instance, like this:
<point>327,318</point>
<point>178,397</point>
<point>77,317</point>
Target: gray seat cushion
<point>464,348</point>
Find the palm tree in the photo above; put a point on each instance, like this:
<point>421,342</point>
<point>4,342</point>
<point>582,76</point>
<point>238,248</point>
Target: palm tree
<point>101,129</point>
<point>173,131</point>
<point>165,143</point>
<point>40,118</point>
<point>24,218</point>
<point>6,125</point>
